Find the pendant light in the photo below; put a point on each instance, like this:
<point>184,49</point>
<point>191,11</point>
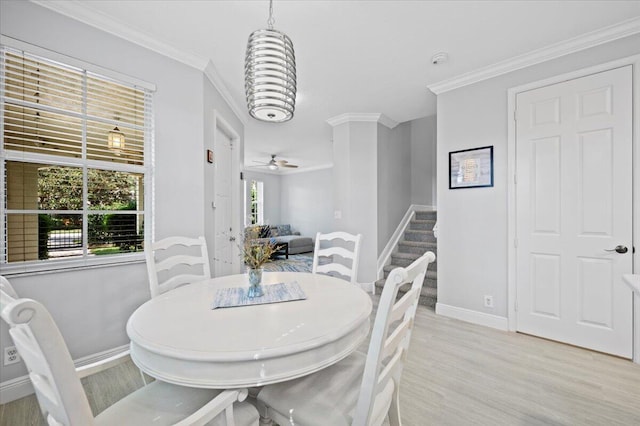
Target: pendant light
<point>270,74</point>
<point>115,140</point>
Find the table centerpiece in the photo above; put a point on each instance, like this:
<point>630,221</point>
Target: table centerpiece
<point>256,252</point>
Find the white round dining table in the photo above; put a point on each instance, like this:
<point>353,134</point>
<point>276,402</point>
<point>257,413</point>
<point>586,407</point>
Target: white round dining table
<point>178,338</point>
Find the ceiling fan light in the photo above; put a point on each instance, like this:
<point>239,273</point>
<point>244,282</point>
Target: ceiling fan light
<point>270,75</point>
<point>272,166</point>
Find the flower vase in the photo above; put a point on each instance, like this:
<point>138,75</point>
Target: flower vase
<point>255,280</point>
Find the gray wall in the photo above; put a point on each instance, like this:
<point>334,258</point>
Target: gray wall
<point>355,189</point>
<point>213,101</point>
<point>472,243</point>
<point>271,193</point>
<point>307,201</point>
<point>423,161</point>
<point>91,306</point>
<point>394,178</point>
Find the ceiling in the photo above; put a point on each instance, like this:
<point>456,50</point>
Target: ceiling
<point>352,56</point>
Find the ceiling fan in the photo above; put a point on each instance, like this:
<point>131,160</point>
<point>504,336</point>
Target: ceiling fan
<point>276,164</point>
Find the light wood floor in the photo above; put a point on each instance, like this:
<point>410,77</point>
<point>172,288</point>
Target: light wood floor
<point>462,374</point>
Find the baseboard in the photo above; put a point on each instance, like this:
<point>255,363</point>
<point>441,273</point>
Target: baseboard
<point>13,389</point>
<point>17,388</point>
<point>475,317</point>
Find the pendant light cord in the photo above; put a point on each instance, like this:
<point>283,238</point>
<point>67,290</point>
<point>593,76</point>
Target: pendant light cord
<point>271,21</point>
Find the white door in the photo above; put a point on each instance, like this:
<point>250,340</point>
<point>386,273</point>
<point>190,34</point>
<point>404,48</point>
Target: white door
<point>573,201</point>
<point>223,205</point>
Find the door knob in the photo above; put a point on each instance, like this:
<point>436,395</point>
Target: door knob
<point>618,249</point>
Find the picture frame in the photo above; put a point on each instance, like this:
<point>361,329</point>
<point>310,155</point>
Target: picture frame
<point>209,156</point>
<point>471,168</point>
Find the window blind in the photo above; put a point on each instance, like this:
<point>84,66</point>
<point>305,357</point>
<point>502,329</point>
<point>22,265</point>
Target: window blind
<point>74,165</point>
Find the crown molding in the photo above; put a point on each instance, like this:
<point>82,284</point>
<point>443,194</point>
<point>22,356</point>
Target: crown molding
<point>362,117</point>
<point>78,11</point>
<point>214,77</point>
<point>567,47</point>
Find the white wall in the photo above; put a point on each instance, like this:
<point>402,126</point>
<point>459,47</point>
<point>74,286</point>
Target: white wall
<point>472,243</point>
<point>91,306</point>
<point>271,193</point>
<point>307,201</point>
<point>423,161</point>
<point>394,179</point>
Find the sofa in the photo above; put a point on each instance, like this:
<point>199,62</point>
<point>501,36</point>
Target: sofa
<point>284,234</point>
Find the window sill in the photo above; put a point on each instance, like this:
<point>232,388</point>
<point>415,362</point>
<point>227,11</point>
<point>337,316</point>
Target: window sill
<point>61,265</point>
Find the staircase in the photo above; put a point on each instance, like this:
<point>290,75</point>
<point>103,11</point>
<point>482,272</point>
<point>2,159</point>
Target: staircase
<point>418,239</point>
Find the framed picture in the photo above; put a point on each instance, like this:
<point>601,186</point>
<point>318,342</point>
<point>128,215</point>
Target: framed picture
<point>471,168</point>
<point>209,156</point>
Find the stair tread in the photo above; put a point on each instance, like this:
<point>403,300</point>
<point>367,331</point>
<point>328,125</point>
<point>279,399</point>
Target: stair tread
<point>423,220</point>
<point>419,243</point>
<point>403,255</point>
<point>432,275</point>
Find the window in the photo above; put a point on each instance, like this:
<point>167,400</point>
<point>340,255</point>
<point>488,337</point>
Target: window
<point>256,202</point>
<point>73,164</point>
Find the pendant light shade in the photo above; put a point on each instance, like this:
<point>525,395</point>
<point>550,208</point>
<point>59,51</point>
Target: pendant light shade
<point>270,75</point>
<point>115,140</point>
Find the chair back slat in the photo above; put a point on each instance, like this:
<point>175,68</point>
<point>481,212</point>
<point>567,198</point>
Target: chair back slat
<point>182,259</point>
<point>51,369</point>
<point>336,251</point>
<point>169,267</point>
<point>390,340</point>
<point>347,247</point>
<point>333,267</point>
<point>396,338</point>
<point>390,369</point>
<point>400,307</point>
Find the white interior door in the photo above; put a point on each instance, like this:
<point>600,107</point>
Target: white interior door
<point>223,205</point>
<point>573,203</point>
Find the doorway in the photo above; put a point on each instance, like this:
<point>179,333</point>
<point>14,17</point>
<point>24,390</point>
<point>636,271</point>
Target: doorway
<point>226,199</point>
<point>573,211</point>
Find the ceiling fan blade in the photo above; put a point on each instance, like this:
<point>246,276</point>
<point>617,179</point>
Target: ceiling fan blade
<point>291,166</point>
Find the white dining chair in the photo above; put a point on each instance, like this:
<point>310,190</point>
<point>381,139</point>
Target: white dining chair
<point>63,401</point>
<point>333,246</point>
<point>176,261</point>
<point>360,390</point>
<point>6,286</point>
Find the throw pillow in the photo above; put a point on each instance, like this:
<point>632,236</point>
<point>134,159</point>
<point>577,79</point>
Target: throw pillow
<point>264,231</point>
<point>284,229</point>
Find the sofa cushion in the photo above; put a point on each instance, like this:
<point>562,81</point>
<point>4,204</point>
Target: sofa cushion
<point>280,230</point>
<point>295,240</point>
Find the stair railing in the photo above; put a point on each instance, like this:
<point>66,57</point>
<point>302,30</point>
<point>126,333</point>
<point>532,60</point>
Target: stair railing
<point>385,255</point>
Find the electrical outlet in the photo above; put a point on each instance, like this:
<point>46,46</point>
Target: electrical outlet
<point>11,355</point>
<point>488,301</point>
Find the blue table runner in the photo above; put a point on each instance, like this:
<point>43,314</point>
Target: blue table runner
<point>273,293</point>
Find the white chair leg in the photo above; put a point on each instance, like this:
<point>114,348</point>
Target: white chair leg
<point>144,381</point>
